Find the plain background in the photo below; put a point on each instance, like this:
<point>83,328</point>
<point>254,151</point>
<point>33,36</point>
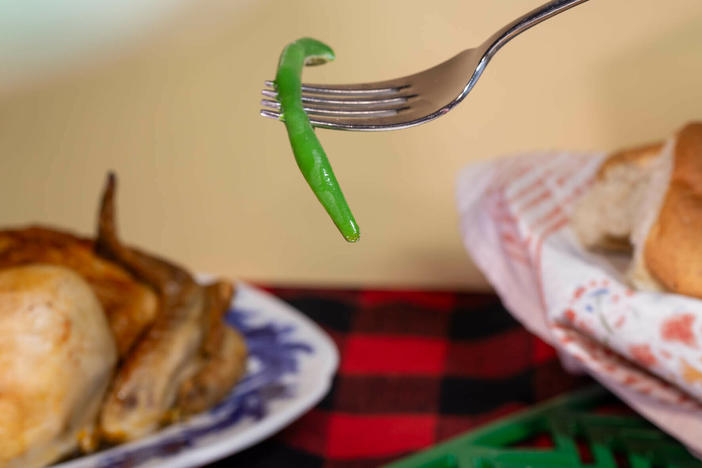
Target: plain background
<point>205,181</point>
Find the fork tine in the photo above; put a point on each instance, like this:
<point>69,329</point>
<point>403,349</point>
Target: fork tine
<point>316,102</point>
<point>352,101</point>
<point>270,114</point>
<point>334,122</point>
<point>378,102</point>
<point>270,103</point>
<point>343,123</point>
<point>362,89</point>
<point>354,113</point>
<point>339,112</point>
<point>340,90</point>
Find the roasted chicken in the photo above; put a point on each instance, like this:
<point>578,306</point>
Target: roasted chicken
<point>165,351</point>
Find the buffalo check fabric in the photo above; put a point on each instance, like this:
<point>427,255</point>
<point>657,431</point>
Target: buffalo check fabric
<point>416,368</point>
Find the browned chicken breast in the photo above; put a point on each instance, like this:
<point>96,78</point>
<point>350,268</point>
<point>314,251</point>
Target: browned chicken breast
<point>130,305</point>
<point>57,356</point>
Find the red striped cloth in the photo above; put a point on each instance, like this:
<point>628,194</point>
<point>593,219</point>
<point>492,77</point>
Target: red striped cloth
<point>416,368</point>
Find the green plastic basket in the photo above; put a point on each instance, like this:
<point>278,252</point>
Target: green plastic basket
<point>576,432</point>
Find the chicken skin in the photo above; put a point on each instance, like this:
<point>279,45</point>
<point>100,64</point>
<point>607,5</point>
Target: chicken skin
<point>57,356</point>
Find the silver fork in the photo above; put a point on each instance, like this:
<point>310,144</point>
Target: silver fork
<point>411,100</point>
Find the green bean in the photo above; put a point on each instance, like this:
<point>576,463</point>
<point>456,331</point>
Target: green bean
<point>309,154</point>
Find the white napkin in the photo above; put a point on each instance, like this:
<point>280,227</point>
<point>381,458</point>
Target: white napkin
<point>645,347</point>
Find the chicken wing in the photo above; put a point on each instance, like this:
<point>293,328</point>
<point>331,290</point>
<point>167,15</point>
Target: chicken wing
<point>180,350</point>
<point>223,356</point>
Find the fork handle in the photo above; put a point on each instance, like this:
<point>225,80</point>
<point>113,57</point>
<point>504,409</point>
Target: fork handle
<point>524,22</point>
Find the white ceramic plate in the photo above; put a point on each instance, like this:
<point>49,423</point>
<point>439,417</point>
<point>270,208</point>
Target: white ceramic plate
<point>290,367</point>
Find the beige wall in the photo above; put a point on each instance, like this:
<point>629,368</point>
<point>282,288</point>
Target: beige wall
<point>207,181</point>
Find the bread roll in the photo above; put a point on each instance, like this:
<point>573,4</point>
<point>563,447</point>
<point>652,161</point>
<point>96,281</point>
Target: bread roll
<point>673,245</point>
<point>607,213</point>
<point>649,200</point>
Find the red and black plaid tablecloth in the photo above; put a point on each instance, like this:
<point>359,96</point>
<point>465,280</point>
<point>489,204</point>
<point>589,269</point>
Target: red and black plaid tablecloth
<point>415,369</point>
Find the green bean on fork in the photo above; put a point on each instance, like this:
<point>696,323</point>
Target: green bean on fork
<point>309,154</point>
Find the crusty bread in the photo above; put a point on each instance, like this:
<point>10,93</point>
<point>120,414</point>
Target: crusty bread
<point>646,212</point>
<point>673,247</point>
<point>649,200</point>
<point>605,216</point>
<point>641,156</point>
